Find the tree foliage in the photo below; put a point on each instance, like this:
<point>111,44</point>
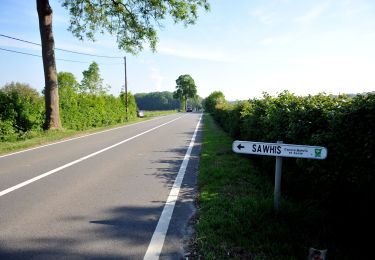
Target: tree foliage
<point>132,104</point>
<point>196,102</point>
<point>156,101</point>
<point>92,82</point>
<point>215,98</point>
<point>185,89</point>
<point>132,22</point>
<point>67,80</point>
<point>21,110</point>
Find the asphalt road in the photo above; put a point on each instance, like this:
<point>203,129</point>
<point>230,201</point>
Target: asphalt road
<point>100,196</point>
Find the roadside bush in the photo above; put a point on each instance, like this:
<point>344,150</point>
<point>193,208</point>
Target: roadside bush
<point>229,116</point>
<point>21,110</point>
<point>215,98</point>
<point>132,104</point>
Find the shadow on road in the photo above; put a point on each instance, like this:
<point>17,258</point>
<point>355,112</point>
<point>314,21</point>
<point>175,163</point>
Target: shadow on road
<point>125,228</point>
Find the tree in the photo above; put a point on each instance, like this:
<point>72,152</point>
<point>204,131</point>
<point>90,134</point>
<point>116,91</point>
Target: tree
<point>132,22</point>
<point>197,102</point>
<point>21,108</point>
<point>215,98</point>
<point>67,80</point>
<point>156,101</point>
<point>185,89</point>
<point>91,81</point>
<point>132,104</point>
<point>51,94</point>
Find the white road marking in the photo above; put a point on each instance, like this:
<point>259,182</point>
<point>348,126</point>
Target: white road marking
<point>22,184</point>
<point>75,138</point>
<point>157,241</point>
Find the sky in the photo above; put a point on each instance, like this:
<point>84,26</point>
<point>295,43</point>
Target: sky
<point>241,47</point>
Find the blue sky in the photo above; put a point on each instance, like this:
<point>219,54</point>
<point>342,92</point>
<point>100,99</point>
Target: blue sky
<point>242,48</point>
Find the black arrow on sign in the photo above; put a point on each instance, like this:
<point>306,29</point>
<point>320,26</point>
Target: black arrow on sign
<point>240,147</point>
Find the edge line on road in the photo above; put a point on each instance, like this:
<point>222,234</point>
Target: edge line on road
<point>22,184</point>
<point>78,137</point>
<point>157,241</point>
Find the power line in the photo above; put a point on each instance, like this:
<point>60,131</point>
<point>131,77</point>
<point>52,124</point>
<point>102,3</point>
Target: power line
<point>60,49</point>
<point>20,52</point>
<point>35,55</point>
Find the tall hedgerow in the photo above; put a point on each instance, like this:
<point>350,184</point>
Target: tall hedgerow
<point>343,185</point>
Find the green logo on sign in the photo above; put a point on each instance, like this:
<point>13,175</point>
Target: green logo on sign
<point>318,152</point>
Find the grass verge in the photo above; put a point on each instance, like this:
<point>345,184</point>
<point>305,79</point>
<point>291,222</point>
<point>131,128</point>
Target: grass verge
<point>235,209</point>
<point>36,138</point>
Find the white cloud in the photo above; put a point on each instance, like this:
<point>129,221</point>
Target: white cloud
<point>267,18</point>
<point>275,40</point>
<point>314,13</point>
<point>189,52</point>
<point>78,48</point>
<point>311,75</point>
<point>156,78</point>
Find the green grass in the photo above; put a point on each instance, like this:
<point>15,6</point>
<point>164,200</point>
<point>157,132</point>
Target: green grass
<point>36,138</point>
<point>235,209</point>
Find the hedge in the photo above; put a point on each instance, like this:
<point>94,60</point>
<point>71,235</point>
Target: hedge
<point>22,110</point>
<point>343,185</point>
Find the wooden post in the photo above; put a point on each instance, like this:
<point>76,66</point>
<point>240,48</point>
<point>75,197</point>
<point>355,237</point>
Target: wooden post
<point>126,93</point>
<point>277,192</point>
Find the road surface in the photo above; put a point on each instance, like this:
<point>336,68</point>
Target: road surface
<point>102,196</point>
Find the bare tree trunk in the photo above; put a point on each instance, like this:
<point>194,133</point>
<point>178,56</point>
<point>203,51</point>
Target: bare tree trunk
<point>51,94</point>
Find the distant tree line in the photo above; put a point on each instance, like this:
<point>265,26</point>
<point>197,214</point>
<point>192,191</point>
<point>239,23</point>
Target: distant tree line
<point>157,101</point>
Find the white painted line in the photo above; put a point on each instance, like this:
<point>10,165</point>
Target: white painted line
<point>75,138</point>
<point>22,184</point>
<point>157,241</point>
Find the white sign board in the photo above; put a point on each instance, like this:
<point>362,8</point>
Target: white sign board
<point>279,149</point>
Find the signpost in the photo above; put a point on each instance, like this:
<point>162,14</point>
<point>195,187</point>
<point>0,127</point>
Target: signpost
<point>279,150</point>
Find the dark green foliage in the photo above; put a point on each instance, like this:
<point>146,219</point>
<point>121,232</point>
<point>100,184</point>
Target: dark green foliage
<point>343,185</point>
<point>157,101</point>
<point>132,22</point>
<point>21,110</point>
<point>185,89</point>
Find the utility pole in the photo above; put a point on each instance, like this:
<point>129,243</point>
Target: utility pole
<point>126,92</point>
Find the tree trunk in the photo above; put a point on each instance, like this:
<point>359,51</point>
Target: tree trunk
<point>51,94</point>
<point>185,103</point>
